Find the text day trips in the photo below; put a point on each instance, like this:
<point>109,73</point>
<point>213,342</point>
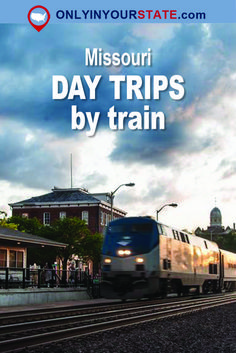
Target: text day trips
<point>148,87</point>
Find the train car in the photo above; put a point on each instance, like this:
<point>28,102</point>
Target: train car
<point>144,258</point>
<point>228,270</point>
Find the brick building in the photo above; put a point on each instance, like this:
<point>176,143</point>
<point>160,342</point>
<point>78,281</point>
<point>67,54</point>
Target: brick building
<point>95,209</point>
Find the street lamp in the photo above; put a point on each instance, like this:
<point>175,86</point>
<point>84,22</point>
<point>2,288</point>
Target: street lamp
<point>168,204</point>
<point>113,193</point>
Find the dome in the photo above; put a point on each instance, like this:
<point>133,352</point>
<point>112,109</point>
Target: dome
<point>215,217</point>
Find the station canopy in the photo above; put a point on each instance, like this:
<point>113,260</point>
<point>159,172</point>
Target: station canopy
<point>11,237</point>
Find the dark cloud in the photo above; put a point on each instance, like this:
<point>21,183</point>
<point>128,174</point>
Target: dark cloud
<point>29,162</point>
<point>149,147</point>
<point>200,53</point>
<point>28,62</point>
<point>159,147</point>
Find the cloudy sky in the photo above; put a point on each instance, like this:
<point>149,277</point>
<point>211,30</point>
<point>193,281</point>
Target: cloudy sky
<point>192,162</point>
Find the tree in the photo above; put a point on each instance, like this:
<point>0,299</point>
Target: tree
<point>91,249</point>
<point>225,241</point>
<point>71,231</point>
<point>28,225</point>
<point>4,223</point>
<point>33,226</point>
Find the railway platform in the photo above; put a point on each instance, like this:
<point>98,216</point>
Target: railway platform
<point>35,296</point>
<point>60,304</point>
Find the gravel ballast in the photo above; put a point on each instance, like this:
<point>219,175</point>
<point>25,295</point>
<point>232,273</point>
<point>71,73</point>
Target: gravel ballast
<point>210,331</point>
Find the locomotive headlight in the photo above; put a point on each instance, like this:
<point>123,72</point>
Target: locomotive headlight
<point>107,261</point>
<point>139,260</point>
<point>125,252</point>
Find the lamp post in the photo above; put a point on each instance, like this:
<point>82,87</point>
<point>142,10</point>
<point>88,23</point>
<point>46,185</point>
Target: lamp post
<point>113,193</point>
<point>168,204</point>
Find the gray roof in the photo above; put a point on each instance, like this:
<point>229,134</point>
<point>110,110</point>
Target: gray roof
<point>67,196</point>
<point>25,239</point>
<point>60,196</point>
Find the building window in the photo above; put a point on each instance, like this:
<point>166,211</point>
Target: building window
<point>85,216</point>
<point>46,218</point>
<point>62,215</point>
<point>102,218</point>
<point>19,259</point>
<point>12,259</point>
<point>3,258</point>
<point>106,219</point>
<point>16,259</point>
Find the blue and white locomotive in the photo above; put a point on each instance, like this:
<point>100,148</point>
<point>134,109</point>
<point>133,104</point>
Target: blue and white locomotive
<point>144,258</point>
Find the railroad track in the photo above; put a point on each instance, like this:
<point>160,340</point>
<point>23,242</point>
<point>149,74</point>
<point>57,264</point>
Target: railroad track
<point>28,334</point>
<point>47,313</point>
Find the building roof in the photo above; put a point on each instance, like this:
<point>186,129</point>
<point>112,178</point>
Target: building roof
<point>15,237</point>
<point>215,212</point>
<point>215,217</point>
<point>67,196</point>
<point>59,196</point>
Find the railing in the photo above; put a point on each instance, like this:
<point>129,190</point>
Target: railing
<point>25,277</point>
<point>48,278</point>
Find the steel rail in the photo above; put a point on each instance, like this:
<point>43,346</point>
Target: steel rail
<point>56,336</point>
<point>45,313</point>
<point>52,322</point>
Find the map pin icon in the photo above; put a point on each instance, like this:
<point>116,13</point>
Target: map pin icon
<point>38,17</point>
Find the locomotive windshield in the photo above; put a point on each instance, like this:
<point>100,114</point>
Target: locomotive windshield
<point>139,235</point>
<point>144,228</point>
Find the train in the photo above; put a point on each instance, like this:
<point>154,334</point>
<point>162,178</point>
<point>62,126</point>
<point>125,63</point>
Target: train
<point>144,258</point>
